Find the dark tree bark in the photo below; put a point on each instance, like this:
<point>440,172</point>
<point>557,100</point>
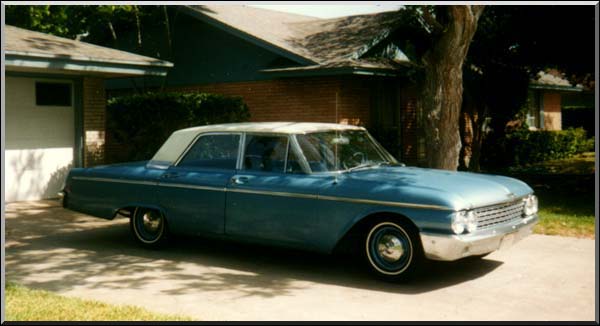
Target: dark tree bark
<point>472,118</point>
<point>453,28</point>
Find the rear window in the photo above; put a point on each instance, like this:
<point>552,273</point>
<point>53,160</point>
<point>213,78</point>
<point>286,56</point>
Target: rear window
<point>213,151</point>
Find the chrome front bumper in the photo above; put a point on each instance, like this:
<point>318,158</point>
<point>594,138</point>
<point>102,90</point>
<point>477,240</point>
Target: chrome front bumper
<point>61,198</point>
<point>452,247</point>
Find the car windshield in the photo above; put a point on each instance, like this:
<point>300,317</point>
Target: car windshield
<point>342,151</point>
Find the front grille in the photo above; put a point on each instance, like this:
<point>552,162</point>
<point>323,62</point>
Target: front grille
<point>499,214</point>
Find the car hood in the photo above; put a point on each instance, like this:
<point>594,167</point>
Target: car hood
<point>462,190</point>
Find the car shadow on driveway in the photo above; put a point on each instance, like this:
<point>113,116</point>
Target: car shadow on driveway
<point>60,250</point>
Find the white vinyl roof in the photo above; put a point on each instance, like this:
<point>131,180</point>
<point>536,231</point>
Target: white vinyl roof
<point>271,127</point>
<point>180,139</point>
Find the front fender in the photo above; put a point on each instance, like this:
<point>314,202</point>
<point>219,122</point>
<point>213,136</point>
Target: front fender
<point>425,220</point>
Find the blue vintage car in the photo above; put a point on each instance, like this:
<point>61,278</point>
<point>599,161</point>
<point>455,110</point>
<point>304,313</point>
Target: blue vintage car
<point>313,186</point>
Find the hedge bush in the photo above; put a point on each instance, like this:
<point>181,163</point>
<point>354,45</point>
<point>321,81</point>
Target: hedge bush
<point>139,124</point>
<point>525,146</point>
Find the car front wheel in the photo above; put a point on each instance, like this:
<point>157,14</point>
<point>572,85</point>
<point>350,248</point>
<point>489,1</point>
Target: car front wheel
<point>392,250</point>
<point>149,227</point>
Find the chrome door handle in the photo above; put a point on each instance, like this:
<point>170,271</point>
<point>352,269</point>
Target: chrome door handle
<point>239,180</point>
<point>169,175</point>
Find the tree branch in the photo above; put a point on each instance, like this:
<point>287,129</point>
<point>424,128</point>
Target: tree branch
<point>435,26</point>
<point>477,10</point>
<point>138,26</point>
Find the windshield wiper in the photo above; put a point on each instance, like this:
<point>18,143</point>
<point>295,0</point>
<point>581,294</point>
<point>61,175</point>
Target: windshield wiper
<point>367,165</point>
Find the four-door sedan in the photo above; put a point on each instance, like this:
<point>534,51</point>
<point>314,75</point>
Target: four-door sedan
<point>313,186</point>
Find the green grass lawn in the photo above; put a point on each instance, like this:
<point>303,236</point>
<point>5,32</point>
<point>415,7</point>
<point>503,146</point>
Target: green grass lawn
<point>565,189</point>
<point>566,214</point>
<point>24,304</point>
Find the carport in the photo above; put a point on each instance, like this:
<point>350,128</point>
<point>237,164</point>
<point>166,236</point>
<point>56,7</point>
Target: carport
<point>55,107</point>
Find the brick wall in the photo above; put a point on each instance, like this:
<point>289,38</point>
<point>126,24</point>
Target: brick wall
<point>410,126</point>
<point>311,99</point>
<point>353,100</point>
<point>552,113</point>
<point>297,99</point>
<point>94,121</point>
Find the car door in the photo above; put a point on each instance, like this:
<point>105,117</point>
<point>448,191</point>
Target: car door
<point>271,198</point>
<point>192,191</point>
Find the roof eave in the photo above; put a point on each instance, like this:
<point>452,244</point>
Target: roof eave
<point>555,87</point>
<point>21,61</point>
<point>157,63</point>
<point>332,71</point>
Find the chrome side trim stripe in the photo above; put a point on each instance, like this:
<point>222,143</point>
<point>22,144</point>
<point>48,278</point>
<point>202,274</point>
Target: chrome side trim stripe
<point>148,183</point>
<point>342,199</point>
<point>187,186</point>
<point>272,193</point>
<point>386,203</point>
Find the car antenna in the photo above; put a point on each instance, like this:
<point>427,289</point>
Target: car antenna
<point>335,176</point>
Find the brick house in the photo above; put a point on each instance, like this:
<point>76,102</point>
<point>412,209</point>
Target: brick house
<point>546,98</point>
<point>55,107</point>
<point>290,67</point>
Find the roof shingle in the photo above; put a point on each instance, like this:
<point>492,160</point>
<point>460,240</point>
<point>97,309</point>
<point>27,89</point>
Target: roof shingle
<point>322,41</point>
<point>25,42</point>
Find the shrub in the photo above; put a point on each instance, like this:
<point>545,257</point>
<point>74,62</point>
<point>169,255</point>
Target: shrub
<point>138,124</point>
<point>523,146</point>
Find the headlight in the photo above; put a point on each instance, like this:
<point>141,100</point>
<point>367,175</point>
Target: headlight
<point>458,222</point>
<point>471,222</point>
<point>531,205</point>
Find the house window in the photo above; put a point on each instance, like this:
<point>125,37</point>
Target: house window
<point>53,94</point>
<point>534,111</point>
<point>421,153</point>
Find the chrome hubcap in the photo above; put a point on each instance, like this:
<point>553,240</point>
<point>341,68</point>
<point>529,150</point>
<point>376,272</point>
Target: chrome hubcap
<point>390,248</point>
<point>151,221</point>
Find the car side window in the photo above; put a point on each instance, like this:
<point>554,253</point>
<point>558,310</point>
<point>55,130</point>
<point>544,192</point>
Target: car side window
<point>265,153</point>
<point>319,156</point>
<point>213,151</point>
<point>293,162</point>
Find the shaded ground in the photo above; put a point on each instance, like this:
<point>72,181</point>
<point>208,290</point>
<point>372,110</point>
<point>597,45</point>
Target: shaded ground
<point>581,164</point>
<point>541,278</point>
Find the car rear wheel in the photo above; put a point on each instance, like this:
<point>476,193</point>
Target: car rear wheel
<point>392,250</point>
<point>149,227</point>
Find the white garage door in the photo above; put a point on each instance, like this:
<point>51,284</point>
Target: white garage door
<point>40,137</point>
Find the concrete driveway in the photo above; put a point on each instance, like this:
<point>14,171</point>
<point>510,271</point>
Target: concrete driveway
<point>541,278</point>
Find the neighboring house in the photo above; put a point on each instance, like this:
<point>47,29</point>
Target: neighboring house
<point>579,110</point>
<point>55,107</point>
<point>545,100</point>
<point>289,67</point>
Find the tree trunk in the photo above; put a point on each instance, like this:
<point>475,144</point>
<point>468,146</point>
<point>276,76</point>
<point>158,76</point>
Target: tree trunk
<point>466,133</point>
<point>443,86</point>
<point>472,119</point>
<point>138,26</point>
